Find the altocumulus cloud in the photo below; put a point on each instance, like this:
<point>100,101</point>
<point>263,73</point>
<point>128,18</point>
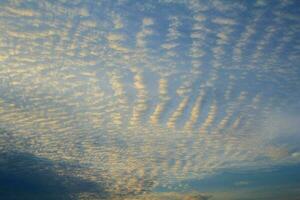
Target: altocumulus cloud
<point>138,95</point>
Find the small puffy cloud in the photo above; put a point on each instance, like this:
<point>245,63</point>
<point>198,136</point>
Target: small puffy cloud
<point>224,21</point>
<point>199,18</point>
<point>3,57</point>
<point>117,20</point>
<point>83,12</point>
<point>148,21</point>
<point>261,3</point>
<point>169,45</point>
<point>114,37</point>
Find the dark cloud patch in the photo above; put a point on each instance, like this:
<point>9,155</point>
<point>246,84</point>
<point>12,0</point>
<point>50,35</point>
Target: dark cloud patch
<point>198,197</point>
<point>24,176</point>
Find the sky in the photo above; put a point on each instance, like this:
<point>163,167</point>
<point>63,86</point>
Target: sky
<point>153,99</point>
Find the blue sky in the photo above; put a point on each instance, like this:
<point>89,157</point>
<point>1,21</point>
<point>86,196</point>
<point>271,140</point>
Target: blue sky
<point>152,99</point>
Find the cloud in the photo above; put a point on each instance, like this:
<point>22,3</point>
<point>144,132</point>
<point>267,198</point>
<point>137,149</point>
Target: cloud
<point>280,124</point>
<point>148,21</point>
<point>141,104</point>
<point>241,183</point>
<point>177,113</point>
<point>277,132</point>
<point>276,153</point>
<point>210,118</point>
<point>109,93</point>
<point>117,20</point>
<point>171,196</point>
<point>195,112</point>
<point>199,18</point>
<point>163,99</point>
<point>224,21</point>
<point>115,37</point>
<point>114,42</point>
<point>31,35</point>
<point>144,32</point>
<point>22,11</point>
<point>24,175</point>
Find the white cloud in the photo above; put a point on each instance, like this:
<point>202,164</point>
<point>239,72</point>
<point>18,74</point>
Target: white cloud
<point>224,21</point>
